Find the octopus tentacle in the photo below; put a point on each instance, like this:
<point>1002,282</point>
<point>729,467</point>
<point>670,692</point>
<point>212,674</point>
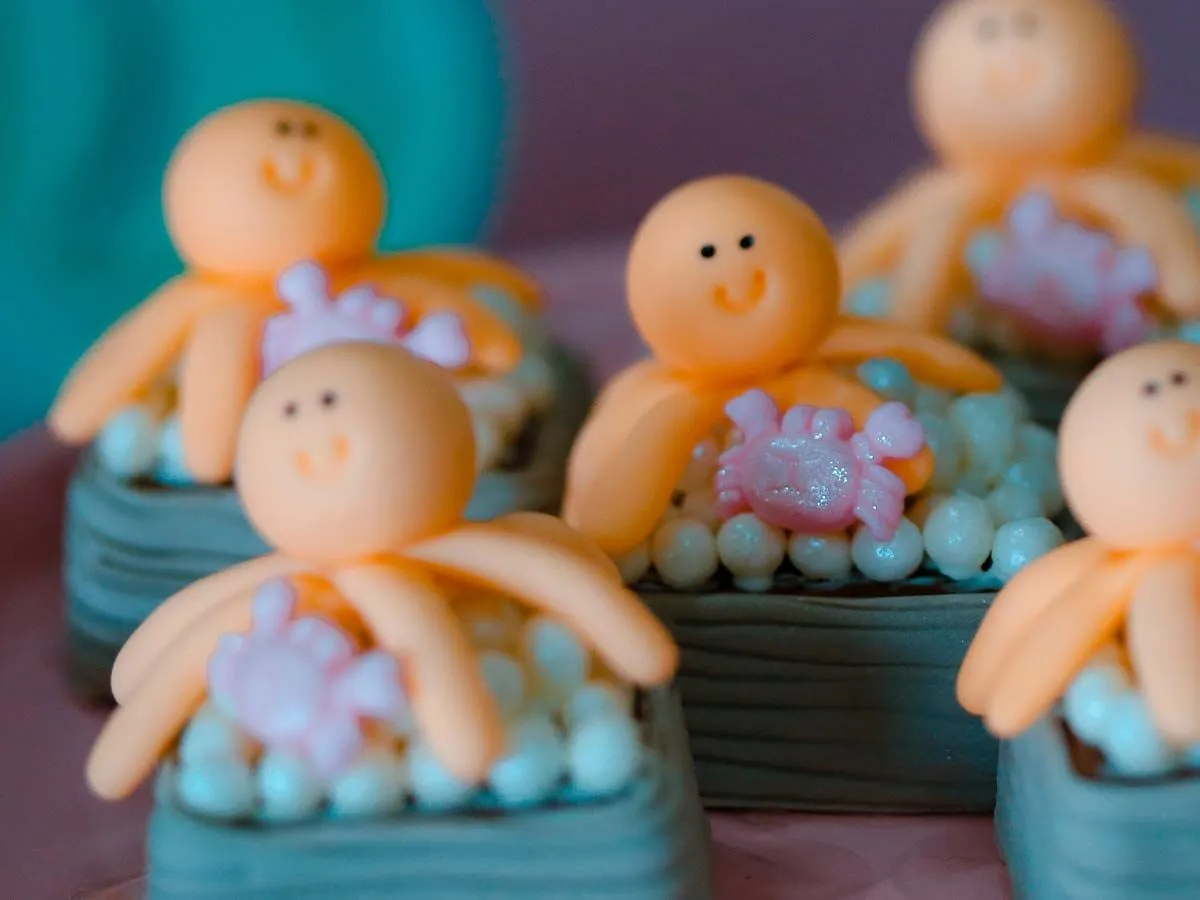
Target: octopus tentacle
<point>874,242</point>
<point>130,356</point>
<point>818,386</point>
<point>140,730</point>
<point>931,358</point>
<point>1064,637</point>
<point>410,618</point>
<point>1163,637</point>
<point>467,269</point>
<point>560,581</point>
<point>1140,213</point>
<point>218,371</point>
<point>1170,161</point>
<point>555,531</point>
<point>179,612</point>
<point>641,456</point>
<point>1013,612</point>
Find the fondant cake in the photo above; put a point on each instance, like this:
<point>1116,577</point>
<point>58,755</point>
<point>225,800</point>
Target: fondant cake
<point>399,697</point>
<point>278,258</point>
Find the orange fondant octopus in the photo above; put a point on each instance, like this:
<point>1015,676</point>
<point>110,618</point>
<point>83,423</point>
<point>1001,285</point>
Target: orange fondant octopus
<point>356,463</point>
<point>733,284</point>
<point>250,191</point>
<point>1129,457</point>
<point>1013,96</point>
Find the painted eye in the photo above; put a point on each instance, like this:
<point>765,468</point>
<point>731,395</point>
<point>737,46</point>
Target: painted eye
<point>1179,379</point>
<point>708,251</point>
<point>283,128</point>
<point>1151,388</point>
<point>310,129</point>
<point>290,409</point>
<point>746,242</point>
<point>988,28</point>
<point>1026,23</point>
<point>329,399</point>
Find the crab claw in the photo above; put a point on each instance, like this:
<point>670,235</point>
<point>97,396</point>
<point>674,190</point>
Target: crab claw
<point>753,412</point>
<point>441,339</point>
<point>304,287</point>
<point>893,433</point>
<point>371,686</point>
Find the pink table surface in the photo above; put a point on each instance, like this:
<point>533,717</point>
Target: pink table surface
<point>58,842</point>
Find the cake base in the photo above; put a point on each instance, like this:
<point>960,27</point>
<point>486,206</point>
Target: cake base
<point>648,843</point>
<point>129,545</point>
<point>836,702</point>
<point>1069,836</point>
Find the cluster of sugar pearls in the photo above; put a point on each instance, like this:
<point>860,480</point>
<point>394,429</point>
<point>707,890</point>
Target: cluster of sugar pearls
<point>1104,708</point>
<point>990,504</point>
<point>572,732</point>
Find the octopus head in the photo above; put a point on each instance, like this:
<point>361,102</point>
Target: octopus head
<point>1024,82</point>
<point>729,276</point>
<point>353,450</point>
<point>260,185</point>
<point>1129,447</point>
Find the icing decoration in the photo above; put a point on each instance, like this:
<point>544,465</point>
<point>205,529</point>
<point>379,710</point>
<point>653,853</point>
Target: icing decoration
<point>1128,448</point>
<point>249,192</point>
<point>1014,97</point>
<point>298,685</point>
<point>1064,281</point>
<point>356,463</point>
<point>733,285</point>
<point>809,472</point>
<point>358,314</point>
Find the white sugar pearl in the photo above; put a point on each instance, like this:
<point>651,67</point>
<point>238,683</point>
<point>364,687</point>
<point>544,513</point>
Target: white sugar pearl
<point>1013,502</point>
<point>376,785</point>
<point>505,679</point>
<point>1131,743</point>
<point>211,737</point>
<point>597,698</point>
<point>959,535</point>
<point>1036,442</point>
<point>1018,404</point>
<point>987,425</point>
<point>222,789</point>
<point>702,467</point>
<point>919,510</point>
<point>752,551</point>
<point>433,787</point>
<point>559,661</point>
<point>684,553</point>
<point>700,505</point>
<point>821,557</point>
<point>169,465</point>
<point>1087,702</point>
<point>947,448</point>
<point>1041,475</point>
<point>128,443</point>
<point>604,754</point>
<point>534,378</point>
<point>534,766</point>
<point>288,789</point>
<point>888,561</point>
<point>871,299</point>
<point>890,379</point>
<point>1190,331</point>
<point>1019,543</point>
<point>932,401</point>
<point>634,565</point>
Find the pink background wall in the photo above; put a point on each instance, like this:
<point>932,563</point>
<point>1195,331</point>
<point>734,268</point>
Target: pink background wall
<point>622,99</point>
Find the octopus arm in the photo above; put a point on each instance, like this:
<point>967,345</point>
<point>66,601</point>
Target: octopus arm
<point>1171,161</point>
<point>495,347</point>
<point>1140,213</point>
<point>1060,642</point>
<point>1015,610</point>
<point>179,612</point>
<point>218,372</point>
<point>877,238</point>
<point>540,526</point>
<point>931,359</point>
<point>634,458</point>
<point>465,268</point>
<point>818,386</point>
<point>410,618</point>
<point>140,730</point>
<point>1163,638</point>
<point>564,583</point>
<point>128,359</point>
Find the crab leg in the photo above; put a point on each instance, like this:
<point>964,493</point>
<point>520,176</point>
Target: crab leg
<point>562,582</point>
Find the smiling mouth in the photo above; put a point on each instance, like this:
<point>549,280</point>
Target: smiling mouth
<point>327,468</point>
<point>288,174</point>
<point>729,303</point>
<point>1180,441</point>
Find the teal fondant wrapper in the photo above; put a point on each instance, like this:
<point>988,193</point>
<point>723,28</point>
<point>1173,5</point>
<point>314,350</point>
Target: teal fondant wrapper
<point>129,546</point>
<point>1069,835</point>
<point>648,843</point>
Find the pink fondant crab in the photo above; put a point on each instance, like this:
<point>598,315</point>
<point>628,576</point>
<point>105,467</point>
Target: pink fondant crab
<point>1064,282</point>
<point>357,314</point>
<point>809,472</point>
<point>298,685</point>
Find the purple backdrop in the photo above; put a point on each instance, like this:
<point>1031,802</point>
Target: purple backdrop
<point>620,100</point>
